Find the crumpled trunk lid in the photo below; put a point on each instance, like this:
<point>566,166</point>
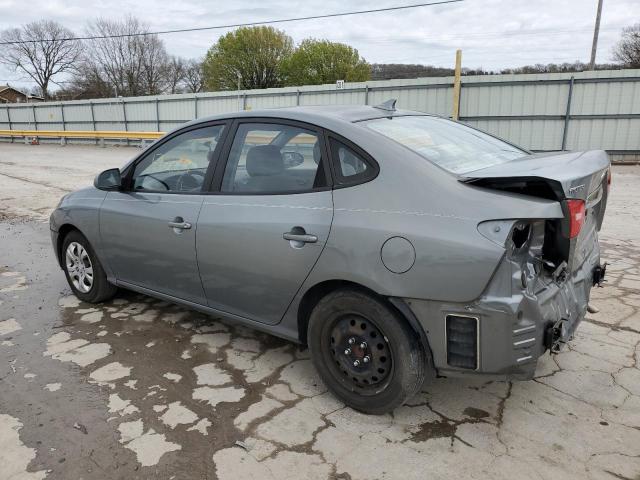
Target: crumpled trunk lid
<point>574,174</point>
<point>557,176</point>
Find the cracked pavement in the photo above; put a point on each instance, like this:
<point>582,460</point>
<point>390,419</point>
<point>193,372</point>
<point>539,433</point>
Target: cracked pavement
<point>139,388</point>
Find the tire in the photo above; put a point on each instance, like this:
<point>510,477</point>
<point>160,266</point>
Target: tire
<point>349,325</point>
<point>78,261</point>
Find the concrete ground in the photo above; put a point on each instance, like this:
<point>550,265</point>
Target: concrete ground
<point>138,388</point>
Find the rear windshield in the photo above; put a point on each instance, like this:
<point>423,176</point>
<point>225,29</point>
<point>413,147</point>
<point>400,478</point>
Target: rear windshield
<point>454,147</point>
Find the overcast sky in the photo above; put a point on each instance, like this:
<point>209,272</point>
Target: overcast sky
<point>492,33</point>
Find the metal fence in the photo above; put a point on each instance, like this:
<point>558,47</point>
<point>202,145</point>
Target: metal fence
<point>541,112</point>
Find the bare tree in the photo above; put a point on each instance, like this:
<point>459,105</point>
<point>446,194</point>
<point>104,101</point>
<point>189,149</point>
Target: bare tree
<point>155,65</point>
<point>194,76</point>
<point>130,59</point>
<point>87,82</point>
<point>42,50</point>
<point>175,70</point>
<point>627,51</point>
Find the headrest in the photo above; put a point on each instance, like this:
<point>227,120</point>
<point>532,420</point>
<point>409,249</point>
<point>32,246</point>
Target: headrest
<point>264,161</point>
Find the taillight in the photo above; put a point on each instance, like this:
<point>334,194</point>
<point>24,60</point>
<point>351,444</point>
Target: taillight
<point>576,216</point>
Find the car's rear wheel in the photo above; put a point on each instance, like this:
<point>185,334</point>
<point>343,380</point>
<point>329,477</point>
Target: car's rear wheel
<point>83,270</point>
<point>365,352</point>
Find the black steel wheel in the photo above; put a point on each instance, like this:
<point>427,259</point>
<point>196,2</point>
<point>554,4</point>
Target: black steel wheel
<point>361,353</point>
<point>365,352</point>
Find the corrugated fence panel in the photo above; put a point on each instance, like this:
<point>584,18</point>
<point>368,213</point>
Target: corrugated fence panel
<point>429,100</point>
<point>175,111</point>
<point>49,116</point>
<point>109,116</point>
<point>529,110</point>
<point>168,125</point>
<point>76,115</point>
<point>615,134</point>
<point>140,111</point>
<point>529,134</point>
<point>502,100</point>
<point>256,102</point>
<point>337,97</point>
<point>606,98</point>
<point>4,118</point>
<point>21,117</point>
<point>218,104</point>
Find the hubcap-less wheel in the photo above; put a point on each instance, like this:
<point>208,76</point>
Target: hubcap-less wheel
<point>79,267</point>
<point>361,353</point>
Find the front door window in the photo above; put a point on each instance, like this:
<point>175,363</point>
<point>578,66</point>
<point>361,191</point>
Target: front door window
<point>179,165</point>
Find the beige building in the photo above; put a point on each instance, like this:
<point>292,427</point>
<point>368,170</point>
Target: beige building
<point>11,95</point>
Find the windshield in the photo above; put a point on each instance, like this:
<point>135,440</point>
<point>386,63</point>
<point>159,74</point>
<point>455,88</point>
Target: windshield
<point>454,147</point>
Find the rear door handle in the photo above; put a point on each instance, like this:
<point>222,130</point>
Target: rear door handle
<point>180,225</point>
<point>296,237</point>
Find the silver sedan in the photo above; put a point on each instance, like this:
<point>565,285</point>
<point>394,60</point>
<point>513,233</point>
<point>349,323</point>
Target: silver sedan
<point>396,245</point>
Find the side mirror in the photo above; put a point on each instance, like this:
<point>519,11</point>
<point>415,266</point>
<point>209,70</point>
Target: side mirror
<point>108,180</point>
<point>292,159</point>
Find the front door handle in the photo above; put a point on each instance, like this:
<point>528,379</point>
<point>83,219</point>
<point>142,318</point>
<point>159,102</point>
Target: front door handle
<point>179,224</point>
<point>300,237</point>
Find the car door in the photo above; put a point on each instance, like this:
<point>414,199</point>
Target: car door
<point>148,229</point>
<point>260,235</point>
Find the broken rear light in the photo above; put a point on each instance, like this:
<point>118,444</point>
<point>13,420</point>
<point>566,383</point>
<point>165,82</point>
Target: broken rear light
<point>576,216</point>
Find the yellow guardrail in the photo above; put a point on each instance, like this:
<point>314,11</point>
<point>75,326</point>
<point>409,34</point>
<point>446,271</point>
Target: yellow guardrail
<point>111,134</point>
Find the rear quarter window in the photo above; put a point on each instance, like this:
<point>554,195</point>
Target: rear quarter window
<point>351,166</point>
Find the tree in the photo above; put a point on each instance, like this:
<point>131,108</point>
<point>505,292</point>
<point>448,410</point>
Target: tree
<point>627,51</point>
<point>88,82</point>
<point>175,74</point>
<point>251,56</point>
<point>315,62</point>
<point>155,65</point>
<point>131,60</point>
<point>194,76</point>
<point>41,50</point>
<point>387,71</point>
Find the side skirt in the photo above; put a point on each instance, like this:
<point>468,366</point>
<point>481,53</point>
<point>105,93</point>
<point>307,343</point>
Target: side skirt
<point>275,330</point>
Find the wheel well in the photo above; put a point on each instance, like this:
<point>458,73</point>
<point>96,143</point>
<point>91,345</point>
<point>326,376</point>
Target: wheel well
<point>63,231</point>
<point>319,291</point>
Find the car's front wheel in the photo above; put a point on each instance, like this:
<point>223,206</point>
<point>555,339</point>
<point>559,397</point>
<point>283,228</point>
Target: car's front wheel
<point>83,270</point>
<point>365,352</point>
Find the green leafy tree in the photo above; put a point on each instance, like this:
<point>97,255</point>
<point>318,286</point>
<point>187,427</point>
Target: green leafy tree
<point>320,61</point>
<point>254,55</point>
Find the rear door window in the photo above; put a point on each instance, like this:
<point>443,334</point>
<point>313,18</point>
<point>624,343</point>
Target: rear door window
<point>268,158</point>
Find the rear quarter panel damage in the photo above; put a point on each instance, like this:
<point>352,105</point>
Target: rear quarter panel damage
<point>414,199</point>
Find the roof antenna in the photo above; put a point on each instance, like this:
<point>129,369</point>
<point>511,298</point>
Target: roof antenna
<point>389,105</point>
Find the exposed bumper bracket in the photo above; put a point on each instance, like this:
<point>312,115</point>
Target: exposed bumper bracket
<point>599,273</point>
<point>557,335</point>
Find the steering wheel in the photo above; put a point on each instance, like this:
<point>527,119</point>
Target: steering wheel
<point>188,181</point>
<point>163,183</point>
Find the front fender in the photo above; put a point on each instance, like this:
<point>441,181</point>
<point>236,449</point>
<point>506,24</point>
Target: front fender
<point>80,211</point>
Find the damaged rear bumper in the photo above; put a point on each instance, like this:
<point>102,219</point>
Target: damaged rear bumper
<point>511,330</point>
<point>557,334</point>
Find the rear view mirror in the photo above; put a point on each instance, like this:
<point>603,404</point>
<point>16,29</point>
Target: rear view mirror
<point>292,159</point>
<point>108,180</point>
